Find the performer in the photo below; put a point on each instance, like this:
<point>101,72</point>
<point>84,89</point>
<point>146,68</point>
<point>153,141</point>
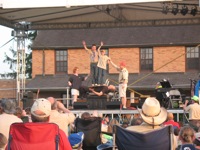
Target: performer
<point>93,61</point>
<point>123,80</point>
<point>105,90</point>
<point>102,65</point>
<point>75,82</point>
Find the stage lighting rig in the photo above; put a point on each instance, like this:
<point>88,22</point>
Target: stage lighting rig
<point>165,8</point>
<point>184,10</point>
<point>175,9</point>
<point>193,11</point>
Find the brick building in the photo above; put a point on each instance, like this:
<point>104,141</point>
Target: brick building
<point>152,53</point>
<point>7,88</point>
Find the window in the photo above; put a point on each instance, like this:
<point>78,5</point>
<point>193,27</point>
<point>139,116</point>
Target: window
<point>146,59</point>
<point>61,61</point>
<point>192,58</point>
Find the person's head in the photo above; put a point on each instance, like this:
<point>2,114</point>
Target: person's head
<point>3,140</point>
<point>85,115</point>
<point>94,47</point>
<point>170,116</point>
<point>40,110</point>
<point>187,135</point>
<point>111,88</point>
<point>75,69</point>
<point>122,65</point>
<point>8,106</point>
<point>195,99</point>
<point>53,103</point>
<point>152,113</point>
<point>136,121</point>
<point>18,112</point>
<point>103,52</point>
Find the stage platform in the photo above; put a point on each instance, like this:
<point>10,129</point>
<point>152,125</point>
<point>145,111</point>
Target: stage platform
<point>120,112</point>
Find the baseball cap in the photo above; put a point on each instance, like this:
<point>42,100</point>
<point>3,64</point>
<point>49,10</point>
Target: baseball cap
<point>76,139</point>
<point>42,105</point>
<point>195,98</point>
<point>122,63</point>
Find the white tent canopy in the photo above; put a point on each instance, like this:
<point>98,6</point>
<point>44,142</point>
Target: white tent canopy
<point>51,14</point>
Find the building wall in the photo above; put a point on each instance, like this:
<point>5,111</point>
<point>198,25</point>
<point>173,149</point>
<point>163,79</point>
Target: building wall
<point>7,88</point>
<point>37,62</point>
<point>78,58</point>
<point>169,59</point>
<point>129,55</point>
<point>166,59</point>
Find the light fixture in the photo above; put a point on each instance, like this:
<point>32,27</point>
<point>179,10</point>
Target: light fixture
<point>175,9</point>
<point>165,9</point>
<point>184,10</point>
<point>193,11</point>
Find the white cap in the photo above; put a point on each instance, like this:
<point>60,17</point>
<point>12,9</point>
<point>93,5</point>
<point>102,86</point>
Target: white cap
<point>42,105</point>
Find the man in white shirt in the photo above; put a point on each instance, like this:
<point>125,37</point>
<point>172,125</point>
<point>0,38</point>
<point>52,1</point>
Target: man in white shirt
<point>7,117</point>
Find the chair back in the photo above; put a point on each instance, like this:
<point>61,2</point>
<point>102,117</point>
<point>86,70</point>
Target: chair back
<point>159,139</point>
<point>33,136</point>
<point>91,128</point>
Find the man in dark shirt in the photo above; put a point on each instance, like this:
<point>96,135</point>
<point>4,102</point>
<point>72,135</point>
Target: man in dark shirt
<point>75,82</point>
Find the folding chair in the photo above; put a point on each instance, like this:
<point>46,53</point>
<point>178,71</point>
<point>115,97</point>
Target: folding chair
<point>91,128</point>
<point>33,136</point>
<point>159,139</point>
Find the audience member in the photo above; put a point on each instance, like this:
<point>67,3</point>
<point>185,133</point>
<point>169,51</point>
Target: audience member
<point>8,117</point>
<point>186,136</point>
<point>153,116</point>
<point>3,141</point>
<point>194,112</point>
<point>170,121</point>
<point>61,119</point>
<point>85,115</point>
<point>20,113</point>
<point>136,121</point>
<point>40,112</point>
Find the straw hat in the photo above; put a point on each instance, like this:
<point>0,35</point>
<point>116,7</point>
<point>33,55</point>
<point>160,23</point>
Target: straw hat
<point>152,113</point>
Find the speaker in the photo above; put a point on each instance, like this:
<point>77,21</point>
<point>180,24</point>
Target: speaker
<point>80,105</point>
<point>97,102</point>
<point>113,105</point>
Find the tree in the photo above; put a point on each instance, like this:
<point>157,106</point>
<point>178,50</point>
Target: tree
<point>12,61</point>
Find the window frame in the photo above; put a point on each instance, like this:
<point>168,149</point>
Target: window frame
<point>192,57</point>
<point>63,62</point>
<point>148,56</point>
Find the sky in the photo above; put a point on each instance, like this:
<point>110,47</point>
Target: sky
<point>5,37</point>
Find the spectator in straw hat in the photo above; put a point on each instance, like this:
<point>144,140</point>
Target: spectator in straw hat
<point>152,114</point>
<point>153,117</point>
<point>194,111</point>
<point>123,80</point>
<point>8,117</point>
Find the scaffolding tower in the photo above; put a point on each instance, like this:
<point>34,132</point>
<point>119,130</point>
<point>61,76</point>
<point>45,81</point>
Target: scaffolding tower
<point>21,35</point>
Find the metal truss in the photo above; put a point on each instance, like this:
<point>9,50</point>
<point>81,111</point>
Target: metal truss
<point>21,64</point>
<point>164,22</point>
<point>112,10</point>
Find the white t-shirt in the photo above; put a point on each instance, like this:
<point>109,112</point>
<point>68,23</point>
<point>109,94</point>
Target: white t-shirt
<point>62,119</point>
<point>5,121</point>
